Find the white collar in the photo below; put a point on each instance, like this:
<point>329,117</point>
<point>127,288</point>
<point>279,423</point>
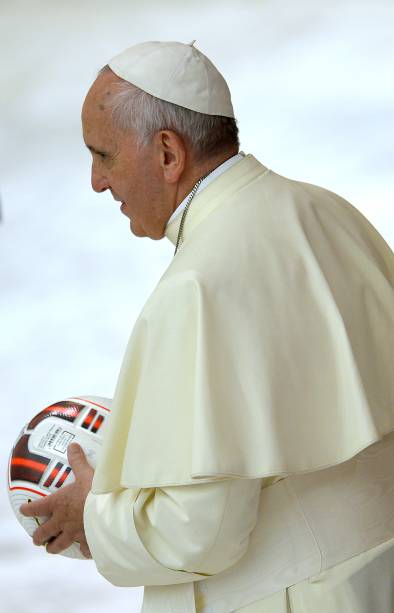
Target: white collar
<point>214,174</point>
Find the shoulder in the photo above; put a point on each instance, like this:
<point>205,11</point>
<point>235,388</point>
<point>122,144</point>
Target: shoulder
<point>262,232</point>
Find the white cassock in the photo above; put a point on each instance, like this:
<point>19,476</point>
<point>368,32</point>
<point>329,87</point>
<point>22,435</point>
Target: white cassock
<point>249,461</point>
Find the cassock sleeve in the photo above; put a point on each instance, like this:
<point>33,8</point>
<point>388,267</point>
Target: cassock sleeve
<point>175,534</point>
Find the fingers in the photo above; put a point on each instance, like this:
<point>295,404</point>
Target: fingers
<point>63,540</point>
<point>44,506</point>
<point>63,509</point>
<point>45,532</point>
<point>58,544</point>
<point>77,458</point>
<point>85,550</point>
<point>36,508</point>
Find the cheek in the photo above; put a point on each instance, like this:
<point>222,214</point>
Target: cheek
<point>137,184</point>
<point>140,184</point>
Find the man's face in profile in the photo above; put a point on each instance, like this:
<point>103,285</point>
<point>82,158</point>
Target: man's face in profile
<point>130,172</point>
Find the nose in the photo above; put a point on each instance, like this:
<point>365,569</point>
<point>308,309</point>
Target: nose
<point>99,181</point>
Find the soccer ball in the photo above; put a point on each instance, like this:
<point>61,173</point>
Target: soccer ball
<point>38,463</point>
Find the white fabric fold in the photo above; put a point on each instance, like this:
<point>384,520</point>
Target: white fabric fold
<point>116,547</point>
<point>304,526</point>
<point>266,347</point>
<point>172,535</point>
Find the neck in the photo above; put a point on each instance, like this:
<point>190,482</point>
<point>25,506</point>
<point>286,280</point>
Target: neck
<point>197,171</point>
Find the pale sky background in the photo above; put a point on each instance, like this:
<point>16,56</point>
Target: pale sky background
<point>313,91</point>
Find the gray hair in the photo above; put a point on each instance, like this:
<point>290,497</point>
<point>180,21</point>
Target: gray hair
<point>134,109</point>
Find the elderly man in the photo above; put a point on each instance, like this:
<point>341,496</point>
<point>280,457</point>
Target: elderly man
<point>248,463</point>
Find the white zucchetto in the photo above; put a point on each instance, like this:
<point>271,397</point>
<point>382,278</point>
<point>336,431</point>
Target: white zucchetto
<point>177,73</point>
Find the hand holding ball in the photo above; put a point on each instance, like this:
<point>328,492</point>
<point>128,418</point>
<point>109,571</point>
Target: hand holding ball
<point>41,462</point>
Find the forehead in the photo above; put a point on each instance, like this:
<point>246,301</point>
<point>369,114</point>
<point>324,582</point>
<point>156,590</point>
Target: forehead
<point>96,116</point>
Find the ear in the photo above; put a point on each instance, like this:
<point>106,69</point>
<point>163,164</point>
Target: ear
<point>171,154</point>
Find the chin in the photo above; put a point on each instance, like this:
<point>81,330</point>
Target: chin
<point>139,231</point>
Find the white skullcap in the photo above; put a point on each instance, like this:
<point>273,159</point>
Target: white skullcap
<point>175,72</point>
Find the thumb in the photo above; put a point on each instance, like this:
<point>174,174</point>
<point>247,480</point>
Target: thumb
<point>76,458</point>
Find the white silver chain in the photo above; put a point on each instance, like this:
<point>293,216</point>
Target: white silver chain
<point>193,192</point>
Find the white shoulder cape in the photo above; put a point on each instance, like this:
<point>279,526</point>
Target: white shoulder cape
<point>267,347</point>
